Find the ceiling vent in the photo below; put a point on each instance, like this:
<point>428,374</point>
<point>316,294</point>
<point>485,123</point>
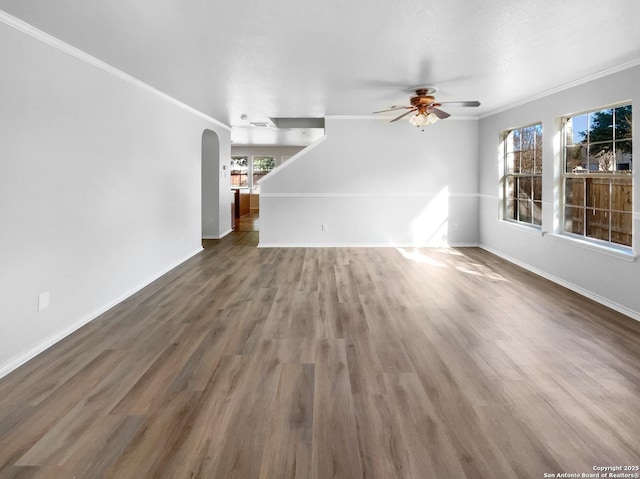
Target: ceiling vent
<point>263,124</point>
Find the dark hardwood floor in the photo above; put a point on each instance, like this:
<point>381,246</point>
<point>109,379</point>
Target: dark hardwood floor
<point>249,222</point>
<point>332,363</point>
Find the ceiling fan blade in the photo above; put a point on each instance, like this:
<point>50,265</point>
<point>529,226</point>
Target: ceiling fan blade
<point>440,114</point>
<point>393,108</point>
<point>460,103</point>
<point>403,115</point>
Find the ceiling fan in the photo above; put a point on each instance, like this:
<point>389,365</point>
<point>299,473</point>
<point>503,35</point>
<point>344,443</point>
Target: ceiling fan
<point>426,107</point>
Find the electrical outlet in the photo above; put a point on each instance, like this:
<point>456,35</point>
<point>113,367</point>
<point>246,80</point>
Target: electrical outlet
<point>325,227</point>
<point>43,301</point>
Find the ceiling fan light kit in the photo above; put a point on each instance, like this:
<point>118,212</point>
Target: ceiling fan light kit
<point>423,119</point>
<point>426,107</point>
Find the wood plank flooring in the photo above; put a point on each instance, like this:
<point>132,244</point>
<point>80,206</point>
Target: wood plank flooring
<point>332,363</point>
<point>249,222</point>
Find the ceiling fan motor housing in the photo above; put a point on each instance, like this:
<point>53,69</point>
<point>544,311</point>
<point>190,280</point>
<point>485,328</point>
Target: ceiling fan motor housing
<point>423,102</point>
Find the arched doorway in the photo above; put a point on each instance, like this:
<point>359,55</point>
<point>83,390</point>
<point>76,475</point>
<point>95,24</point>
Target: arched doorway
<point>210,185</point>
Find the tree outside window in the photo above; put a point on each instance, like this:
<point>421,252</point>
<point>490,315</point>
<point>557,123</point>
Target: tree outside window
<point>598,175</point>
<point>239,172</point>
<point>262,165</point>
<point>247,174</point>
<point>522,181</point>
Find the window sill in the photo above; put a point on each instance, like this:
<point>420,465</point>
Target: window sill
<point>526,227</point>
<point>622,253</point>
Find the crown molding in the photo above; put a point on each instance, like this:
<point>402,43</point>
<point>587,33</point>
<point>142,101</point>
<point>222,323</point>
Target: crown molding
<point>64,47</point>
<point>563,87</point>
<point>386,117</point>
<point>367,245</point>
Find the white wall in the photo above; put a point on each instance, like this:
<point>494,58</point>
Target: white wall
<point>217,200</point>
<point>376,183</point>
<point>277,151</point>
<point>99,190</point>
<point>610,279</point>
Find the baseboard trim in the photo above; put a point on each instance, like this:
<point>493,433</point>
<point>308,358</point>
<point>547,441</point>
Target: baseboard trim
<point>364,245</point>
<point>21,359</point>
<point>220,236</point>
<point>566,284</point>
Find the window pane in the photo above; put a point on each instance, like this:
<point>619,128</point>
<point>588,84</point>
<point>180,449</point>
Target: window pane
<point>528,140</point>
<point>526,161</point>
<point>576,159</point>
<point>537,188</point>
<point>598,154</point>
<point>261,166</point>
<point>574,220</point>
<point>621,195</point>
<point>574,191</point>
<point>598,224</point>
<point>621,224</point>
<point>513,162</point>
<point>598,193</point>
<point>624,156</point>
<point>524,188</point>
<point>623,122</point>
<point>516,162</point>
<point>600,125</point>
<point>538,130</point>
<point>510,187</point>
<point>524,211</point>
<point>513,141</point>
<point>239,171</point>
<point>537,151</point>
<point>523,158</point>
<point>576,130</point>
<point>537,213</point>
<point>537,165</point>
<point>601,158</point>
<point>510,211</point>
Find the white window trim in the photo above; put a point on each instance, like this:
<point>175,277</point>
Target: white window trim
<point>620,252</point>
<point>503,189</point>
<point>604,247</point>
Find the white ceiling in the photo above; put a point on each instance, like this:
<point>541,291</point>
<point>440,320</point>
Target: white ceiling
<point>312,58</point>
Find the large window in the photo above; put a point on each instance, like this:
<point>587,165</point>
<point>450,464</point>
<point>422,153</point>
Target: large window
<point>239,171</point>
<point>261,166</point>
<point>523,175</point>
<point>247,174</point>
<point>597,175</point>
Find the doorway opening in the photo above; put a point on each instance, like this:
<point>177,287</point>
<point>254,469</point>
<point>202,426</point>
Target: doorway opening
<point>246,173</point>
<point>215,217</point>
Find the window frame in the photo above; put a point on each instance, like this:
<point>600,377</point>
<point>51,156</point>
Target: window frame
<point>590,181</point>
<point>250,172</point>
<point>534,175</point>
<point>254,184</point>
<point>243,173</point>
